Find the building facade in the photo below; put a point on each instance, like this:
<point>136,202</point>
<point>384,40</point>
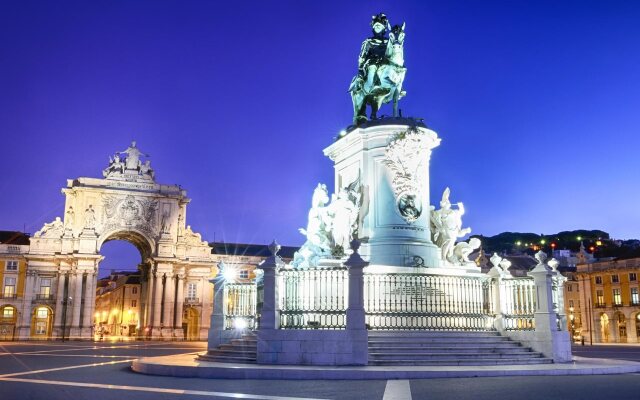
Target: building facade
<point>13,271</point>
<point>609,300</point>
<point>117,312</point>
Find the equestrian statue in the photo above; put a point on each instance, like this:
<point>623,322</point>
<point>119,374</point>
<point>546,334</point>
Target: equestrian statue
<point>381,70</point>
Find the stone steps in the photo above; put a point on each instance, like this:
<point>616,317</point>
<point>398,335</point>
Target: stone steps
<point>448,348</point>
<point>237,351</point>
<point>486,361</point>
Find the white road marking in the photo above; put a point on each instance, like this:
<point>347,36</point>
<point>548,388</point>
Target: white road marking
<point>157,390</point>
<point>397,390</point>
<point>39,371</point>
<point>74,355</point>
<point>46,351</point>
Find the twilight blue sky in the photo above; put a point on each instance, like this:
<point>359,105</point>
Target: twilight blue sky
<point>537,104</point>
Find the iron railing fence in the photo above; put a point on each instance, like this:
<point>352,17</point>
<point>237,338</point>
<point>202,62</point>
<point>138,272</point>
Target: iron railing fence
<point>240,309</point>
<point>314,298</point>
<point>519,303</point>
<point>398,301</point>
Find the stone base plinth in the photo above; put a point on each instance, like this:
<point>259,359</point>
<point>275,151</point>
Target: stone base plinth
<point>392,177</point>
<point>312,347</point>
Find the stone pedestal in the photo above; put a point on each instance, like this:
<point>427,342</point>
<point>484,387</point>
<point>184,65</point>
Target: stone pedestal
<point>394,221</point>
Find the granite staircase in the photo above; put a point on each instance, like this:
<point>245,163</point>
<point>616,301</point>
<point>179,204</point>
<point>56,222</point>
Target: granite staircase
<point>448,348</point>
<point>242,350</point>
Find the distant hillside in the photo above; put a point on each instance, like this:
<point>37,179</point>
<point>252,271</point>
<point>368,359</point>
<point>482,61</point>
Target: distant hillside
<point>595,241</point>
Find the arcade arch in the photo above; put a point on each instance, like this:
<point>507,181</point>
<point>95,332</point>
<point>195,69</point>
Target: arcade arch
<point>127,204</point>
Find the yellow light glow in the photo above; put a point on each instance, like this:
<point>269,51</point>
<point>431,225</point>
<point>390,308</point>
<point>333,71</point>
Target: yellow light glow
<point>518,243</point>
<point>543,241</point>
<point>579,238</point>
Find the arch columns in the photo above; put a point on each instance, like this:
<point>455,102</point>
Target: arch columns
<point>169,304</point>
<point>178,331</point>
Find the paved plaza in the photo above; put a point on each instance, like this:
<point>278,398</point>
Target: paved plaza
<point>83,370</point>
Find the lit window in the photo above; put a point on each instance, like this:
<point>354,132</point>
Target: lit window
<point>633,277</point>
<point>599,298</point>
<point>12,265</point>
<point>598,280</point>
<point>8,312</point>
<point>615,278</point>
<point>42,312</point>
<point>9,287</point>
<point>45,287</point>
<point>617,299</point>
<point>635,299</point>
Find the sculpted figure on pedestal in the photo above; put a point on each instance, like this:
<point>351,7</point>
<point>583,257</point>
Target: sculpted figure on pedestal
<point>90,218</point>
<point>344,215</point>
<point>381,70</point>
<point>462,250</point>
<point>145,169</point>
<point>133,156</point>
<point>446,226</point>
<point>318,243</point>
<point>53,229</point>
<point>330,228</point>
<point>130,166</point>
<point>115,165</point>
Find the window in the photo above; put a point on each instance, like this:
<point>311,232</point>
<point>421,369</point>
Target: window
<point>41,327</point>
<point>598,280</point>
<point>45,287</point>
<point>133,303</point>
<point>599,298</point>
<point>635,299</point>
<point>8,312</point>
<point>633,277</point>
<point>9,287</point>
<point>12,265</point>
<point>134,290</point>
<point>617,300</point>
<point>569,287</point>
<point>192,290</point>
<point>244,274</point>
<point>42,312</point>
<point>615,278</point>
<point>570,303</point>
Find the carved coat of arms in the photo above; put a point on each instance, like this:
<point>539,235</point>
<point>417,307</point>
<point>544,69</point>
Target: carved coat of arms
<point>130,212</point>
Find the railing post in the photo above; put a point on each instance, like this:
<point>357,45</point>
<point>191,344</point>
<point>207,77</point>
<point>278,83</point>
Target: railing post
<point>216,328</point>
<point>356,326</point>
<point>550,340</point>
<point>269,318</point>
<point>355,310</point>
<point>497,274</point>
<point>558,286</point>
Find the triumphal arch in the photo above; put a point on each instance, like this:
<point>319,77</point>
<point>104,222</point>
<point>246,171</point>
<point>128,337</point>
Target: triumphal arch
<point>126,204</point>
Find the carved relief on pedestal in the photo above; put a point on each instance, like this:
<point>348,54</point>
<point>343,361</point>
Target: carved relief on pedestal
<point>130,212</point>
<point>404,157</point>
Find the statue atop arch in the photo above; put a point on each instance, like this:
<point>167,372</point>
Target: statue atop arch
<point>129,167</point>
